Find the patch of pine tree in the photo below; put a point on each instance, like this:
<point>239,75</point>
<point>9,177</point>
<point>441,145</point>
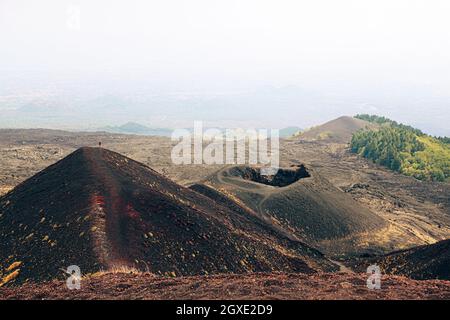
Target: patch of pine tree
<point>403,149</point>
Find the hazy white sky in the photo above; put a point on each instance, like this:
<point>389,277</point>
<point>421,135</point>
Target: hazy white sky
<point>286,42</point>
<point>347,45</point>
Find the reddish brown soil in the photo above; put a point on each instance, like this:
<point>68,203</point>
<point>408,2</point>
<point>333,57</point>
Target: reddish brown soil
<point>249,286</point>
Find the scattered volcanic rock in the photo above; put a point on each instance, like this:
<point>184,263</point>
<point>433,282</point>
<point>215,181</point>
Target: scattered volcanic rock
<point>337,130</point>
<point>100,210</point>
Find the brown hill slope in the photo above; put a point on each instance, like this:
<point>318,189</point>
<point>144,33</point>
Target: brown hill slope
<point>100,210</point>
<point>298,200</point>
<point>338,130</point>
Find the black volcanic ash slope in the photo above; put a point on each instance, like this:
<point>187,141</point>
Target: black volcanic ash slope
<point>299,199</point>
<point>99,210</point>
<point>424,262</point>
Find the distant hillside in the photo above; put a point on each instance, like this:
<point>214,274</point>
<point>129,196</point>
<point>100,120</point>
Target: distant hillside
<point>383,121</point>
<point>289,131</point>
<point>404,149</point>
<point>338,130</point>
<point>136,128</point>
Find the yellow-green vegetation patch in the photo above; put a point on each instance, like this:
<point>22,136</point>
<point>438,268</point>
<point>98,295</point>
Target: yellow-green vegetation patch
<point>404,149</point>
<point>324,135</point>
<point>12,273</point>
<point>10,277</point>
<point>14,265</point>
<point>432,162</point>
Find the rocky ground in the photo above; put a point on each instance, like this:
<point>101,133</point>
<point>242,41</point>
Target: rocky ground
<point>335,286</point>
<point>418,212</point>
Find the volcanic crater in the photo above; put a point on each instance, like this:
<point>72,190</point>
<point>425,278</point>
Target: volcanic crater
<point>282,178</point>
